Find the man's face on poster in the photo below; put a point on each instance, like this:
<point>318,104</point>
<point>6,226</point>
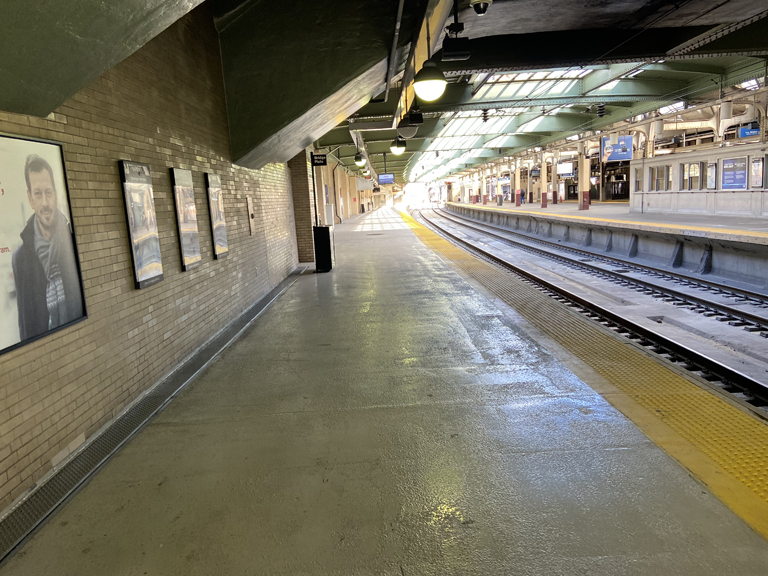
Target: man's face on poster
<point>42,198</point>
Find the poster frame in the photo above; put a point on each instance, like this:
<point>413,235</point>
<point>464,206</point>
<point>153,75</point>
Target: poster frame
<point>711,175</point>
<point>175,174</point>
<point>37,337</point>
<point>746,173</point>
<point>138,284</point>
<point>216,254</point>
<point>753,161</point>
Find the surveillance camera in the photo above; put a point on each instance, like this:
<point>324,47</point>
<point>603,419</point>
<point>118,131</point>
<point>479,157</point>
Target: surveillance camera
<point>480,6</point>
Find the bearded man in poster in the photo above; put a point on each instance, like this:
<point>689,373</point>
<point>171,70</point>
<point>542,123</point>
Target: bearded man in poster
<point>48,288</point>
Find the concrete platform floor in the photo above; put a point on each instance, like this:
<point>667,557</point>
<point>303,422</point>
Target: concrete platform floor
<point>620,211</point>
<point>388,419</point>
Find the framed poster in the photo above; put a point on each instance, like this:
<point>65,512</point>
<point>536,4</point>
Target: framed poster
<point>712,176</point>
<point>41,289</point>
<point>142,223</point>
<point>186,218</point>
<point>756,173</point>
<point>734,173</point>
<point>216,210</point>
<point>621,151</point>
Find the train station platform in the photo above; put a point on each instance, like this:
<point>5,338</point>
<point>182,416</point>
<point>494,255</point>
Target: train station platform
<point>736,228</point>
<point>395,417</point>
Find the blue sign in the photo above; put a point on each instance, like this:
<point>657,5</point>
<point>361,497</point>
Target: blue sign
<point>621,151</point>
<point>386,178</point>
<point>734,174</point>
<point>747,131</point>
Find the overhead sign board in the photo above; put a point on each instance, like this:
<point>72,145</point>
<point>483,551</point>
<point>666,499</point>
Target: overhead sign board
<point>747,131</point>
<point>387,178</point>
<point>613,153</point>
<point>565,168</point>
<point>734,174</point>
<point>319,160</point>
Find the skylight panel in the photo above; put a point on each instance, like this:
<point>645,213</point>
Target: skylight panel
<point>609,86</point>
<point>676,107</point>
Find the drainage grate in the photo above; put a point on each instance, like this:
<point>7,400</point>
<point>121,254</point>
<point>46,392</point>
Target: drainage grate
<point>28,513</point>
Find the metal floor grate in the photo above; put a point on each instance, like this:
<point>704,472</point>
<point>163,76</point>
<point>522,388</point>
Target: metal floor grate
<point>28,513</point>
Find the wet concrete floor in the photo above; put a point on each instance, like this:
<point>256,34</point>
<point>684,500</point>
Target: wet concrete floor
<point>387,419</point>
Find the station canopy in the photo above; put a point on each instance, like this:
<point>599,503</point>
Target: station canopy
<point>540,73</point>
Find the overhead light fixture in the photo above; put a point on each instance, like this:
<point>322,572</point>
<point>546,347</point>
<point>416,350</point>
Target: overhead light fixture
<point>397,147</point>
<point>430,82</point>
<point>407,131</point>
<point>359,160</point>
<point>480,6</point>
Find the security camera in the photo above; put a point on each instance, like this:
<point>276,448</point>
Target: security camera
<point>480,6</point>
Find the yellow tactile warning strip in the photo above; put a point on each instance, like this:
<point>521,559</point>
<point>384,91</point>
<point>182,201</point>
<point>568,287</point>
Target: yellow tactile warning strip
<point>722,444</point>
<point>743,235</point>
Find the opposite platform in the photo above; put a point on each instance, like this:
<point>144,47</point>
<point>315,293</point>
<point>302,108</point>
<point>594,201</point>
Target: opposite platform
<point>388,418</point>
<point>746,229</point>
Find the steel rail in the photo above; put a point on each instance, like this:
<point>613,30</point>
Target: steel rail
<point>727,291</point>
<point>645,268</point>
<point>691,359</point>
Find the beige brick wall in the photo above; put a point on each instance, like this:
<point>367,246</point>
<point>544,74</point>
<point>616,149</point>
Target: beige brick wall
<point>164,106</point>
<point>303,204</point>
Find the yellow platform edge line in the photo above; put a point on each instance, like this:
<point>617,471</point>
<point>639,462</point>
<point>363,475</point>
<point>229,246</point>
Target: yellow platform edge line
<point>742,501</point>
<point>677,227</point>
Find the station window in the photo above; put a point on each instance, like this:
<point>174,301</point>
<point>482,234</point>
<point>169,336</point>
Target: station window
<point>691,176</point>
<point>638,179</point>
<point>660,178</point>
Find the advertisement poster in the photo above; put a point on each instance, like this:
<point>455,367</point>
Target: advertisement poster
<point>756,180</point>
<point>621,151</point>
<point>712,176</point>
<point>142,223</point>
<point>734,174</point>
<point>186,218</point>
<point>216,209</point>
<point>40,283</point>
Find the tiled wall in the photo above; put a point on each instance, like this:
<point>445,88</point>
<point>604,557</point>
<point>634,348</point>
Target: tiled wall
<point>163,106</point>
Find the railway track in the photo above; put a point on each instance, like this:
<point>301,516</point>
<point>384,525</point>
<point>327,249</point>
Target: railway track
<point>718,375</point>
<point>752,321</point>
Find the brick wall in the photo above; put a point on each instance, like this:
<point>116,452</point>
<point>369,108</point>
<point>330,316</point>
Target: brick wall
<point>303,204</point>
<point>164,106</point>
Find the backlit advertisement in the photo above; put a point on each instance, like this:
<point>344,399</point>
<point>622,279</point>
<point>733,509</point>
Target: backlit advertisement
<point>616,152</point>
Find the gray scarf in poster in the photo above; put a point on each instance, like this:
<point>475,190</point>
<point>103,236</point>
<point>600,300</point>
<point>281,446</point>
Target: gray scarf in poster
<point>48,253</point>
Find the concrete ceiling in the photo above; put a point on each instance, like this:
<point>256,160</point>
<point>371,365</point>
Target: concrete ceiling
<point>528,16</point>
<point>293,72</point>
<point>50,49</point>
